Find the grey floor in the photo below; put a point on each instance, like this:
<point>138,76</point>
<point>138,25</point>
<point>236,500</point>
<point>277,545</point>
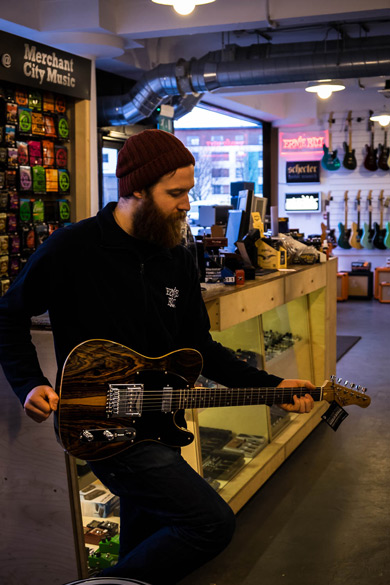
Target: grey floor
<point>324,517</point>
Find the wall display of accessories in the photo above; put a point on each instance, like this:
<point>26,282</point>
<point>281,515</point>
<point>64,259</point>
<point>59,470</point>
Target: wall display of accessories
<point>34,175</point>
<point>276,343</point>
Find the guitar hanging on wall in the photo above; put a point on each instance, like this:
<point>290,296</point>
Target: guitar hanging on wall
<point>384,154</point>
<point>327,233</point>
<point>387,228</point>
<point>379,232</point>
<point>344,232</point>
<point>368,232</point>
<point>356,232</point>
<point>349,160</point>
<point>112,398</point>
<point>329,161</point>
<point>370,160</point>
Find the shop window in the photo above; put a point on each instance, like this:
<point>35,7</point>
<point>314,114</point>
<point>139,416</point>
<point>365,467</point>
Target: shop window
<point>215,138</point>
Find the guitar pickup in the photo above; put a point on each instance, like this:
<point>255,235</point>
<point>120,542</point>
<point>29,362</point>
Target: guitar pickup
<point>107,435</point>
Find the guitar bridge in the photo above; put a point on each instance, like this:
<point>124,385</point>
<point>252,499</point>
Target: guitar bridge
<point>124,400</point>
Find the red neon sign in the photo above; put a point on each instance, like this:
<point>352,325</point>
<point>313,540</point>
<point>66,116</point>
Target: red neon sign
<point>302,142</point>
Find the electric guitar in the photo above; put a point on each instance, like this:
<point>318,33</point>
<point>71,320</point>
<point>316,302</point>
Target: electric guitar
<point>379,232</point>
<point>327,233</point>
<point>349,160</point>
<point>368,232</point>
<point>384,154</point>
<point>112,398</point>
<point>344,232</point>
<point>370,161</point>
<point>329,161</point>
<point>356,232</point>
<point>387,234</point>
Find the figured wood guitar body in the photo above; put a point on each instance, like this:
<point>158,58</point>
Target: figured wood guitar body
<point>87,373</point>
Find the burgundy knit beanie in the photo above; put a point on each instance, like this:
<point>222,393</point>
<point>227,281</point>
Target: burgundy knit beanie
<point>146,157</point>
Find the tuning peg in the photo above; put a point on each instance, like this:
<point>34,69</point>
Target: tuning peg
<point>352,385</point>
<point>333,378</point>
<point>339,380</point>
<point>362,389</point>
<point>346,383</point>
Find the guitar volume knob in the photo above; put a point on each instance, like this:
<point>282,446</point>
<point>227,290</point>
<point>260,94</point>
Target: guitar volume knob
<point>87,436</point>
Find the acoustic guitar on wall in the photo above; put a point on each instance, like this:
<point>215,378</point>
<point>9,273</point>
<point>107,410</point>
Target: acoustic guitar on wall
<point>384,154</point>
<point>327,233</point>
<point>344,232</point>
<point>349,160</point>
<point>356,232</point>
<point>368,232</point>
<point>370,160</point>
<point>329,161</point>
<point>379,232</point>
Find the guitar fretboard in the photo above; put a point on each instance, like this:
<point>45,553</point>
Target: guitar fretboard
<point>219,397</point>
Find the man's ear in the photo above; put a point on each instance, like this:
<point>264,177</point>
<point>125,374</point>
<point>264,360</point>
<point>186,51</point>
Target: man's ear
<point>139,194</point>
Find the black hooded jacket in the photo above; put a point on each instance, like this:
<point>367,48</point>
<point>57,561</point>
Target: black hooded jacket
<point>96,281</point>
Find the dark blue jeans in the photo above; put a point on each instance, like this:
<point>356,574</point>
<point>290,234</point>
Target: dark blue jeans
<point>171,520</point>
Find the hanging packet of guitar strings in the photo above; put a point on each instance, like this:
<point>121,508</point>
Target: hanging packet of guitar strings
<point>61,154</point>
<point>63,181</point>
<point>48,102</point>
<point>38,211</point>
<point>10,133</point>
<point>35,101</point>
<point>13,200</point>
<point>21,97</point>
<point>25,210</point>
<point>38,123</point>
<point>12,156</point>
<point>22,152</point>
<point>10,179</point>
<point>51,180</point>
<point>4,199</point>
<point>11,113</point>
<point>48,153</point>
<point>39,179</point>
<point>35,152</point>
<point>50,127</point>
<point>24,121</point>
<point>25,178</point>
<point>335,415</point>
<point>63,128</point>
<point>3,157</point>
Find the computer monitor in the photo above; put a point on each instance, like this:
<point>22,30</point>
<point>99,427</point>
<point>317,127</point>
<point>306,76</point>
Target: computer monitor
<point>259,204</point>
<point>234,228</point>
<point>244,203</point>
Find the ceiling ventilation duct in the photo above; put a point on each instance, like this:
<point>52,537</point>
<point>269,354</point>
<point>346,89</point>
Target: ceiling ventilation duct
<point>242,66</point>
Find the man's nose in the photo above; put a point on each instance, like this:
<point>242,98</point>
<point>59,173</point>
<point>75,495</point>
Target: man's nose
<point>184,204</point>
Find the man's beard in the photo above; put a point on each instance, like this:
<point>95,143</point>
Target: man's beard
<point>150,224</point>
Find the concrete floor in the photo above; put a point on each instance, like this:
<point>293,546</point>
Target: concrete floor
<point>324,517</point>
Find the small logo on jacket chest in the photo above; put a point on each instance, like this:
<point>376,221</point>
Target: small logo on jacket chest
<point>172,294</point>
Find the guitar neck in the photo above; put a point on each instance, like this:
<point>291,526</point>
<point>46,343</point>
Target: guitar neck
<point>221,397</point>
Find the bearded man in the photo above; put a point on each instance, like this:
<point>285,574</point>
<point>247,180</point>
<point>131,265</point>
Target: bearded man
<point>123,276</point>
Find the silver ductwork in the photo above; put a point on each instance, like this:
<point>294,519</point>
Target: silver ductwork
<point>242,66</point>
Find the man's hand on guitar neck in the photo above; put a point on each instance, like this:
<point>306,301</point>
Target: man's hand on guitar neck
<point>304,403</point>
<point>40,403</point>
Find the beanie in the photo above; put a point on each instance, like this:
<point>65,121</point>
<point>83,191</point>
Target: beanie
<point>146,157</point>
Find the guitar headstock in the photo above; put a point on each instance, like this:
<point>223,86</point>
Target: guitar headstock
<point>345,393</point>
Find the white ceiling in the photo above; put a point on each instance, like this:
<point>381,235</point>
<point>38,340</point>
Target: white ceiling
<point>128,37</point>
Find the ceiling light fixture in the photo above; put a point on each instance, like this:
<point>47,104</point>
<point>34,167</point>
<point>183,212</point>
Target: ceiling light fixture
<point>183,7</point>
<point>383,118</point>
<point>324,88</point>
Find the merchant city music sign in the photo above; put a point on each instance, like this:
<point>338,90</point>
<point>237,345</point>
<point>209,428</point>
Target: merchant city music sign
<point>28,63</point>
